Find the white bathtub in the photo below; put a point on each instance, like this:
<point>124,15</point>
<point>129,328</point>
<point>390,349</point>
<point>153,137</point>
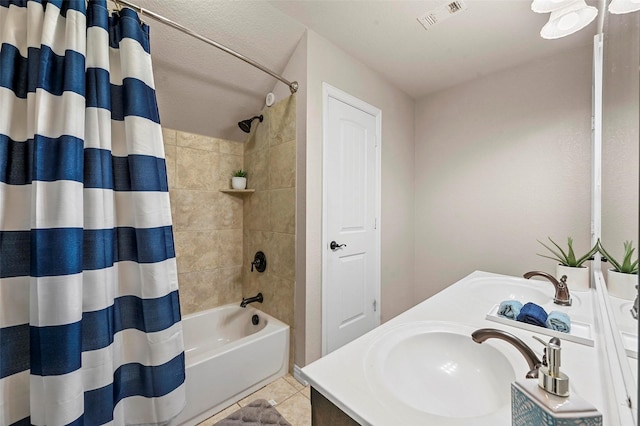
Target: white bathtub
<point>227,358</point>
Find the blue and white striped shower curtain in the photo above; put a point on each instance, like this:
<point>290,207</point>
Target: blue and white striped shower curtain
<point>90,328</point>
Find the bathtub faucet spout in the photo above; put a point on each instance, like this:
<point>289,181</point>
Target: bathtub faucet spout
<point>245,302</point>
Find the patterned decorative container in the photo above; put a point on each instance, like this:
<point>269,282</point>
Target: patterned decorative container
<point>532,406</point>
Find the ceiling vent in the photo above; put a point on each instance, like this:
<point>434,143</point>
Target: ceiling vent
<point>442,13</point>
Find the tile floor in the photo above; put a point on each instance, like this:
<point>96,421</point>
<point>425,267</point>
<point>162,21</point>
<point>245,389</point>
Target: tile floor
<point>291,397</point>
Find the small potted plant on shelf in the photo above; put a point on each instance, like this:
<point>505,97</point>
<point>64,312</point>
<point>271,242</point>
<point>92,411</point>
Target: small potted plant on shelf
<point>623,277</point>
<point>239,179</point>
<point>573,267</point>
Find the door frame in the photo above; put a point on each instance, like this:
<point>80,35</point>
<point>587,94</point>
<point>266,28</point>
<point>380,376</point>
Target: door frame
<point>329,91</point>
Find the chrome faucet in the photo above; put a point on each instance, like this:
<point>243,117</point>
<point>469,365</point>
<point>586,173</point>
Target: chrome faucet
<point>257,298</point>
<point>534,362</point>
<point>634,308</point>
<point>562,296</point>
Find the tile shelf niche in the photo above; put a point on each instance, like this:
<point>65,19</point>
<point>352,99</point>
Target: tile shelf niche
<point>238,191</point>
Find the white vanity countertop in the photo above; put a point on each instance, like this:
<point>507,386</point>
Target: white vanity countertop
<point>342,375</point>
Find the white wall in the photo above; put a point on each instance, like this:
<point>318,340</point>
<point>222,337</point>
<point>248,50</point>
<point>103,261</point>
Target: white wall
<point>500,162</point>
<point>471,176</point>
<point>327,63</point>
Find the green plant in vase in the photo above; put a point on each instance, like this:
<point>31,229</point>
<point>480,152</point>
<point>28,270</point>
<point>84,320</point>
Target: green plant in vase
<point>239,179</point>
<point>569,264</point>
<point>568,258</point>
<point>627,266</point>
<point>622,279</point>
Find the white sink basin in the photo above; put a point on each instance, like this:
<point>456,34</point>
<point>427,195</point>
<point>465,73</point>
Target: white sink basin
<point>497,289</point>
<point>423,368</point>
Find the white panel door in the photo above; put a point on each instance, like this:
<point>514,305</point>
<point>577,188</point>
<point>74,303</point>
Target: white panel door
<point>351,197</point>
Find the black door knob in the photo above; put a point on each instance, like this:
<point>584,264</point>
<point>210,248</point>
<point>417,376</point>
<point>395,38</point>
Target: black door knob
<point>334,246</point>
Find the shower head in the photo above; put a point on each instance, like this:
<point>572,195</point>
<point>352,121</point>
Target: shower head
<point>245,125</point>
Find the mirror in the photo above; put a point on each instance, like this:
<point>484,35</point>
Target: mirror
<point>620,113</point>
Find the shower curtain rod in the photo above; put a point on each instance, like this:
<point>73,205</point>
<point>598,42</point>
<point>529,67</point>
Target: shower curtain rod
<point>293,85</point>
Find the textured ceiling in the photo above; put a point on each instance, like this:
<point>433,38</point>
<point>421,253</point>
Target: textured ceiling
<point>203,90</point>
<point>488,36</point>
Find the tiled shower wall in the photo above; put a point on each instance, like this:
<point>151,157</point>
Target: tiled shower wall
<point>269,213</point>
<point>217,234</point>
<point>207,223</point>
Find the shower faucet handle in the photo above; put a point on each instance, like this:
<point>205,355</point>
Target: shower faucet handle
<point>259,261</point>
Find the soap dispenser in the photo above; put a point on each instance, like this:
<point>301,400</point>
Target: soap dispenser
<point>550,378</point>
<point>547,403</point>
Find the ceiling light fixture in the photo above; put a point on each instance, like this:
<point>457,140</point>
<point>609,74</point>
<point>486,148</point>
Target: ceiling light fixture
<point>624,6</point>
<point>568,19</point>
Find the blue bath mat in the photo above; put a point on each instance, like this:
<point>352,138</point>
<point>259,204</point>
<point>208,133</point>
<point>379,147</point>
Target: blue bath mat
<point>257,413</point>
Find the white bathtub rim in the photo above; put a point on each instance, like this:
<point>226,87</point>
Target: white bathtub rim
<point>229,306</point>
<point>274,326</point>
